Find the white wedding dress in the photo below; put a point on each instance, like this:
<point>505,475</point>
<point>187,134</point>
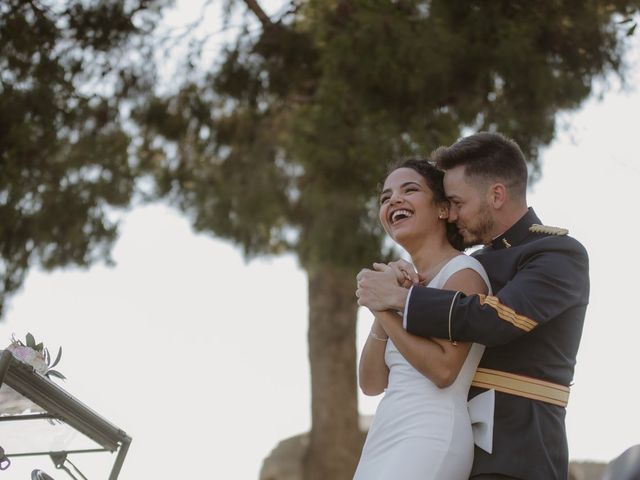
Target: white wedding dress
<point>420,431</point>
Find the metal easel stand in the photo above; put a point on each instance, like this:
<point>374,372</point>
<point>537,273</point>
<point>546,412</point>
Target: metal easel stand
<point>60,405</point>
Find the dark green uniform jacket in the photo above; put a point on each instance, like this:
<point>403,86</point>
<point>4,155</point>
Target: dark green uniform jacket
<point>531,326</point>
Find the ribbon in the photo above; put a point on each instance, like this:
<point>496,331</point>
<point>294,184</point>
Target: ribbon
<point>481,409</point>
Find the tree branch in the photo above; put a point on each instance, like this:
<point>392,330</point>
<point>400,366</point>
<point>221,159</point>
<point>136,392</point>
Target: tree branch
<point>255,7</point>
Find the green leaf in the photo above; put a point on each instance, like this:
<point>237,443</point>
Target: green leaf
<point>31,342</point>
<point>39,347</point>
<point>47,358</point>
<point>631,30</point>
<point>57,358</point>
<point>56,374</point>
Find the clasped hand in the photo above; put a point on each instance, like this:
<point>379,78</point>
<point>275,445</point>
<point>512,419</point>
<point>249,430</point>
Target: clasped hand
<point>386,286</point>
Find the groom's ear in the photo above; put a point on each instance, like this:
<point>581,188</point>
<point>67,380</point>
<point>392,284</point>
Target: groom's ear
<point>497,195</point>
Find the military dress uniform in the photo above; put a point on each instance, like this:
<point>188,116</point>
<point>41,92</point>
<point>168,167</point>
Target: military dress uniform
<point>532,328</point>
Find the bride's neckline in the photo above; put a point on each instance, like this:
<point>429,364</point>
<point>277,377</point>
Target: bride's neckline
<point>439,268</point>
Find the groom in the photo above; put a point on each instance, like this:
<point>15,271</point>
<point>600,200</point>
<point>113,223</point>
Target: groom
<point>531,326</point>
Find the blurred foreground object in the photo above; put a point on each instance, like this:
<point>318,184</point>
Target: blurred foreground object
<point>58,425</point>
<point>40,475</point>
<point>624,467</point>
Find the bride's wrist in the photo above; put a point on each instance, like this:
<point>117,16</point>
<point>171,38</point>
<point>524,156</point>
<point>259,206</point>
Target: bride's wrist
<point>378,333</point>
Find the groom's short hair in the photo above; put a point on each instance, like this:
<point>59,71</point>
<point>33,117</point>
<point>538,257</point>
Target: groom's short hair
<point>489,157</point>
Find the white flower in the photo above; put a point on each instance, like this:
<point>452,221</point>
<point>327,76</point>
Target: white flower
<point>36,355</point>
<point>29,356</point>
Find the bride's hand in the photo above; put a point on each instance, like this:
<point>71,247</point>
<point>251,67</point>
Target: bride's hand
<point>404,272</point>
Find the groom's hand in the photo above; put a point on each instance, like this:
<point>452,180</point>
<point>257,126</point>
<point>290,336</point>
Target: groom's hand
<point>381,289</point>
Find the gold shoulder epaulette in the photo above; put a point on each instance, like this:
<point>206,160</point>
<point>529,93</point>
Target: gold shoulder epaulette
<point>535,228</point>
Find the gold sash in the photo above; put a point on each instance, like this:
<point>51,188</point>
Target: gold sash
<point>522,386</point>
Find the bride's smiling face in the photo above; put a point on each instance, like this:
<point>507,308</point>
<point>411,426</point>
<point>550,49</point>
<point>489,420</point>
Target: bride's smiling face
<point>407,208</point>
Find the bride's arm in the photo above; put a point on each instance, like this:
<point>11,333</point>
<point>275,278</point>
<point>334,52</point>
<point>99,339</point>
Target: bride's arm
<point>437,359</point>
<point>373,373</point>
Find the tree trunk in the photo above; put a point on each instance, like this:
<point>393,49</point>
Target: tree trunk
<point>335,440</point>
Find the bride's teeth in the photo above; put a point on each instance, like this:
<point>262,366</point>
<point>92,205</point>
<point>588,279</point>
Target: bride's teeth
<point>398,213</point>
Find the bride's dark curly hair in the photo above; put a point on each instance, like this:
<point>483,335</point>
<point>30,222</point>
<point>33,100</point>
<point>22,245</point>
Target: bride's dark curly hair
<point>434,178</point>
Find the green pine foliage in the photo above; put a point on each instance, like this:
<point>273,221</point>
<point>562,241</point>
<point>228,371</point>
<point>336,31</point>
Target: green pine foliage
<point>281,146</point>
<point>66,75</point>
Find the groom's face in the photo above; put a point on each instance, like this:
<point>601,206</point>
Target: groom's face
<point>470,209</point>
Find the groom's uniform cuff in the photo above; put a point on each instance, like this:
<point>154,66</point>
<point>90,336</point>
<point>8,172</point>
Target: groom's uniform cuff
<point>406,308</point>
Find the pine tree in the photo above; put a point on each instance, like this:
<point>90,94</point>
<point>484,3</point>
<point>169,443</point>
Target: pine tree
<point>67,72</point>
<point>281,146</point>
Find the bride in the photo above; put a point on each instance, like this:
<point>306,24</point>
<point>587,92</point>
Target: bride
<point>421,429</point>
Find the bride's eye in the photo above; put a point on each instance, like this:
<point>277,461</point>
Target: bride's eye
<point>383,199</point>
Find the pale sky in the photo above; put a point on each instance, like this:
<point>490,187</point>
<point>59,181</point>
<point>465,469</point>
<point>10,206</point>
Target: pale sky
<point>208,376</point>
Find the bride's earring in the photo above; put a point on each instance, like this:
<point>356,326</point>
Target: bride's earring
<point>442,215</point>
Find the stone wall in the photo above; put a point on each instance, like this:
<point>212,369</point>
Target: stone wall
<point>586,470</point>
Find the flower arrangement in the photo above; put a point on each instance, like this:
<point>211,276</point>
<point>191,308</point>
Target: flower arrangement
<point>36,355</point>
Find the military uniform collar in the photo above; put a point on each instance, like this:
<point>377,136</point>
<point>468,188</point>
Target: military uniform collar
<point>517,233</point>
